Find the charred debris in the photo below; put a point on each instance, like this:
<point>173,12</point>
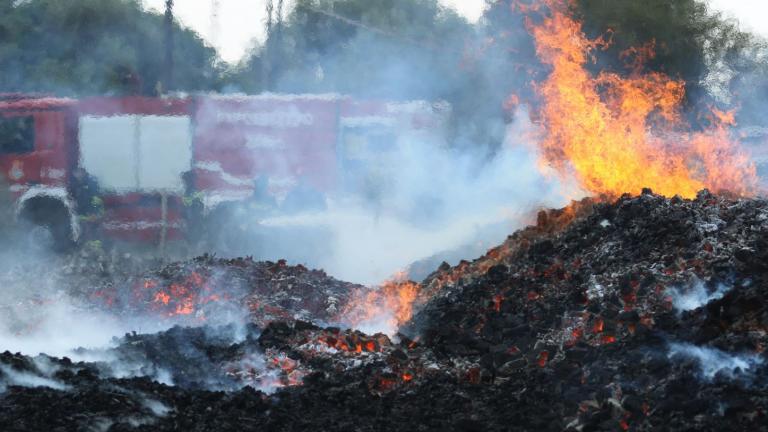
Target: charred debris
<point>644,313</point>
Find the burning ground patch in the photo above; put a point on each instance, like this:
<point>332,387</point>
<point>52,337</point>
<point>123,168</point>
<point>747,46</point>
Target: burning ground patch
<point>567,325</point>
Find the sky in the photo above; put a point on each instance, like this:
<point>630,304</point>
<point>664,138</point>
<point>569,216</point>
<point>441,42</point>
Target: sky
<point>750,13</point>
<point>238,23</point>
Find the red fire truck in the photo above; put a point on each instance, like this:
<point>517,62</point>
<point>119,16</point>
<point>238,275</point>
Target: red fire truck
<point>139,157</point>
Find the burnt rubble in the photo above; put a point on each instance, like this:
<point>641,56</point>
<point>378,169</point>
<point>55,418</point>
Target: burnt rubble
<point>207,288</point>
<point>203,290</point>
<point>642,313</point>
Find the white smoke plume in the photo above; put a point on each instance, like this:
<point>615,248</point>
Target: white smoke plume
<point>437,199</point>
<point>11,377</point>
<point>695,295</point>
<point>713,361</point>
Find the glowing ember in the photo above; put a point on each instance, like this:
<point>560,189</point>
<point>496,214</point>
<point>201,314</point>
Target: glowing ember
<point>576,334</point>
<point>163,298</point>
<point>185,297</point>
<point>181,298</point>
<point>598,326</point>
<point>497,299</point>
<point>355,343</point>
<point>620,134</point>
<point>543,357</point>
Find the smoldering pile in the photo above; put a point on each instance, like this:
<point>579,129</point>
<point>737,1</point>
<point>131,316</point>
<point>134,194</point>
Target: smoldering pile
<point>206,288</point>
<point>645,313</point>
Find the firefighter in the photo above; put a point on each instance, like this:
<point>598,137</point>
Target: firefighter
<point>85,192</point>
<point>88,203</point>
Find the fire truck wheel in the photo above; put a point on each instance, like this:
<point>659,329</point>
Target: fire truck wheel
<point>47,224</point>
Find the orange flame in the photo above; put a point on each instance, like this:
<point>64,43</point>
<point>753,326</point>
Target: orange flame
<point>391,304</point>
<point>620,134</point>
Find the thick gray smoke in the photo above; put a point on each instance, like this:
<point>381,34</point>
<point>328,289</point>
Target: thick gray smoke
<point>432,199</point>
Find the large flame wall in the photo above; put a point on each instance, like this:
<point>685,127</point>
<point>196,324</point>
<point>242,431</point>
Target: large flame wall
<point>618,134</point>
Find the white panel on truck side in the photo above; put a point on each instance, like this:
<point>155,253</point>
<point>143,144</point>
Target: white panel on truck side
<point>165,152</point>
<point>107,149</point>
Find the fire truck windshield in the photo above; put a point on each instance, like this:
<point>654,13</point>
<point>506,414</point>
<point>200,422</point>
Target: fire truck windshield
<point>17,134</point>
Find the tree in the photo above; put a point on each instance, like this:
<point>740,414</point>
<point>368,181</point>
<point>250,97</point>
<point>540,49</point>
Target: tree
<point>82,47</point>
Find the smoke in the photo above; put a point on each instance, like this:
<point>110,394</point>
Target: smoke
<point>11,377</point>
<point>713,361</point>
<point>695,295</point>
<point>36,320</point>
<point>51,324</point>
<point>214,358</point>
<point>255,370</point>
<point>426,198</point>
<point>385,322</point>
<point>112,363</point>
<point>46,308</point>
<point>447,194</point>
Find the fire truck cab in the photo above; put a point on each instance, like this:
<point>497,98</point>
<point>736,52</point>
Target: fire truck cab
<point>38,152</point>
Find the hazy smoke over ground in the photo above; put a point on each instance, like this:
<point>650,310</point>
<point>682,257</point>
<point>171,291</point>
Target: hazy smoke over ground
<point>10,377</point>
<point>58,304</point>
<point>429,199</point>
<point>35,326</point>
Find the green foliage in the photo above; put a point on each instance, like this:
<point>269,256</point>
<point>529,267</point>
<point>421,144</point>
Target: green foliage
<point>95,47</point>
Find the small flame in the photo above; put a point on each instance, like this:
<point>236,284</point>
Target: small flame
<point>387,307</point>
<point>598,326</point>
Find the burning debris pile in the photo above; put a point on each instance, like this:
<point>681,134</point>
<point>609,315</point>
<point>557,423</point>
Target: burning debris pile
<point>204,288</point>
<point>648,312</point>
<point>640,314</point>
